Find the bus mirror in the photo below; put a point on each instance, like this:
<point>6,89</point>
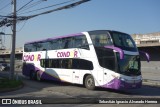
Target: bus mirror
<point>147,56</point>
<point>120,51</point>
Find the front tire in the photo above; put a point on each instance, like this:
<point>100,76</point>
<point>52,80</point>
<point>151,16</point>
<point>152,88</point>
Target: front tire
<point>32,75</point>
<point>38,76</point>
<point>89,82</point>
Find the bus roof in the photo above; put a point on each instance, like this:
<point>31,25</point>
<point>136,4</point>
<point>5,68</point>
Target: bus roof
<point>57,37</point>
<point>70,35</point>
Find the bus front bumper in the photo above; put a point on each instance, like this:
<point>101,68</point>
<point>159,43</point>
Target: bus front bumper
<point>123,84</point>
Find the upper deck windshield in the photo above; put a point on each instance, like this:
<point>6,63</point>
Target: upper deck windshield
<point>103,38</point>
<point>123,41</point>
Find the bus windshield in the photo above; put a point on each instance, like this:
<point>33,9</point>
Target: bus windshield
<point>103,38</point>
<point>123,41</point>
<point>130,65</point>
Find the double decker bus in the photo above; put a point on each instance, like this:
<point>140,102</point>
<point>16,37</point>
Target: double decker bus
<point>99,58</point>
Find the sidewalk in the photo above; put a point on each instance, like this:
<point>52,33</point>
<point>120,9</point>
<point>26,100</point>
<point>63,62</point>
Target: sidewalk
<point>151,78</point>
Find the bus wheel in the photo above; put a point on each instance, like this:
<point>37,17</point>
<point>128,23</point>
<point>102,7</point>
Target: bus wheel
<point>38,76</point>
<point>33,75</point>
<point>89,82</point>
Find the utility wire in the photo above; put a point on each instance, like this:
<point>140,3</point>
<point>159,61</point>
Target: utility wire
<point>22,26</point>
<point>31,5</point>
<point>8,22</point>
<point>5,6</point>
<point>49,6</point>
<point>57,9</point>
<point>24,5</point>
<point>5,16</point>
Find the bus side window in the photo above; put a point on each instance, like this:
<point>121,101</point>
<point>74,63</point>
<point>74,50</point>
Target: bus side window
<point>43,63</point>
<point>77,42</point>
<point>82,64</point>
<point>69,64</point>
<point>53,45</point>
<point>62,43</point>
<point>28,47</point>
<point>81,42</point>
<point>65,63</point>
<point>70,42</point>
<point>32,47</point>
<point>75,64</point>
<point>67,43</point>
<point>85,65</point>
<point>100,40</point>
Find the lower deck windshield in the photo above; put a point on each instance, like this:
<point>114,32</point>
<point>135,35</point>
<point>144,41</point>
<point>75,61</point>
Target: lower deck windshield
<point>130,65</point>
<point>108,59</point>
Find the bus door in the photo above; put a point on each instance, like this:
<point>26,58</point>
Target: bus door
<point>108,62</point>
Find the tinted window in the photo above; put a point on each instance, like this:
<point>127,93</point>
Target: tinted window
<point>81,42</point>
<point>66,43</point>
<point>70,42</point>
<point>84,64</point>
<point>42,46</point>
<point>30,47</point>
<point>67,64</point>
<point>53,45</point>
<point>100,38</point>
<point>130,65</point>
<point>123,41</point>
<point>63,43</point>
<point>106,58</point>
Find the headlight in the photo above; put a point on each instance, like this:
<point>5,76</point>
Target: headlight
<point>122,79</point>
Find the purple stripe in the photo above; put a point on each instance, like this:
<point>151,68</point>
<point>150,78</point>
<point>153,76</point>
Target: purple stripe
<point>117,49</point>
<point>119,84</point>
<point>48,39</point>
<point>46,76</point>
<point>27,68</point>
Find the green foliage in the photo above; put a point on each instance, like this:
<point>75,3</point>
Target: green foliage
<point>6,83</point>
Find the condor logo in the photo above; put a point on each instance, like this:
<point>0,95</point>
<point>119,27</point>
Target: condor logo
<point>67,54</point>
<point>35,57</point>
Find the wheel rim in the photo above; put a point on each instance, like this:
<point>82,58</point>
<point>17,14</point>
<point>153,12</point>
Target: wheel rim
<point>90,82</point>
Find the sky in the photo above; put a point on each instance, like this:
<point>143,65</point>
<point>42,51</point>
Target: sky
<point>129,16</point>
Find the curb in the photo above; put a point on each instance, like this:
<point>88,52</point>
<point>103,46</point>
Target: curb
<point>151,83</point>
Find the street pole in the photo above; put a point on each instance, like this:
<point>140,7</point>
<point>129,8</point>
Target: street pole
<point>12,57</point>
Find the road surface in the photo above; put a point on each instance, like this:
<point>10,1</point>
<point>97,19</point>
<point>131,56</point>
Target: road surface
<point>51,89</point>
